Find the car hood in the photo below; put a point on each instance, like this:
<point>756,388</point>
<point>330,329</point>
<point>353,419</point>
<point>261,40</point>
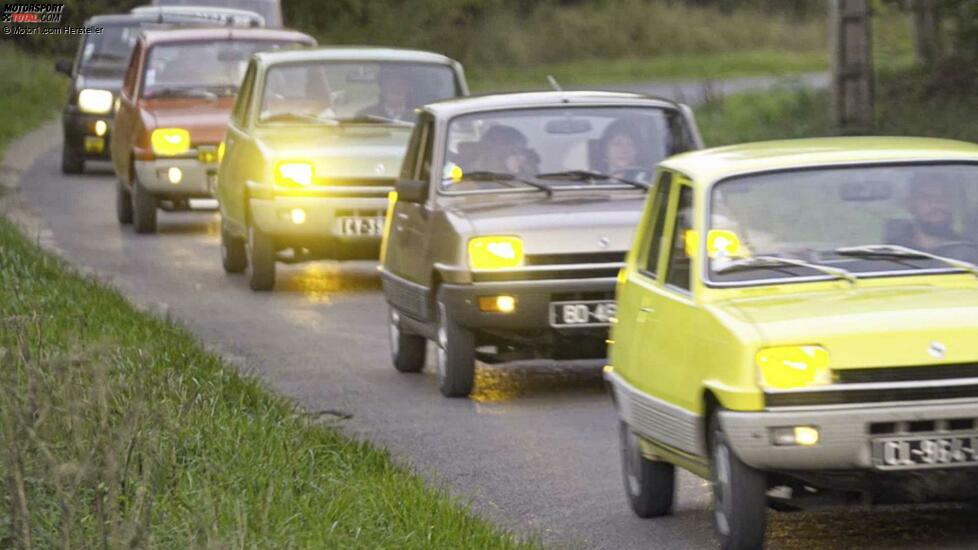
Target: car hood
<point>350,151</point>
<point>206,120</point>
<point>870,327</point>
<point>567,222</point>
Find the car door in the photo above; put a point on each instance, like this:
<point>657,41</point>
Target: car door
<point>407,248</point>
<point>666,308</point>
<point>238,164</point>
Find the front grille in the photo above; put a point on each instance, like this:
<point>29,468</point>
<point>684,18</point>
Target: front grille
<point>906,374</point>
<point>575,258</point>
<point>502,276</point>
<point>345,212</point>
<point>923,426</point>
<point>581,296</point>
<point>880,395</point>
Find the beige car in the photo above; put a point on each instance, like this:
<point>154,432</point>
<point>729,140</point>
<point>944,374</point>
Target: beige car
<point>512,219</point>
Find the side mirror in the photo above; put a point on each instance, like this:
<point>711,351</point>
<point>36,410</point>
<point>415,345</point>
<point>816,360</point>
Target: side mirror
<point>412,190</point>
<point>63,66</point>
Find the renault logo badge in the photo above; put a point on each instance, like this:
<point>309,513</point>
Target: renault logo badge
<point>379,169</point>
<point>603,242</point>
<point>937,350</point>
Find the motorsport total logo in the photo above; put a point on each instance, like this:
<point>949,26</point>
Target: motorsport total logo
<point>32,12</point>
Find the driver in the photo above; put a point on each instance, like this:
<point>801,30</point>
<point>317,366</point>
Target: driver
<point>618,152</point>
<point>504,149</point>
<point>931,207</point>
<point>393,103</point>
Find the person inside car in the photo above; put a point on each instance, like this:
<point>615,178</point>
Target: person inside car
<point>503,149</point>
<point>619,152</point>
<point>393,102</point>
<point>931,207</point>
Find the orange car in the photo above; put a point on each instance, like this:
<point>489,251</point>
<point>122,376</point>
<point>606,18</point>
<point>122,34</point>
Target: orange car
<point>173,111</point>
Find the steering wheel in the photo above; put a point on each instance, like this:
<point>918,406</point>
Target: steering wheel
<point>959,250</point>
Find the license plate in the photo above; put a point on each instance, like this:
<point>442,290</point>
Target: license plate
<point>592,313</point>
<point>355,226</point>
<point>905,453</point>
<point>94,144</point>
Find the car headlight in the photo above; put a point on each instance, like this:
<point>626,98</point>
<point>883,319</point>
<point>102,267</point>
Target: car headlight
<point>294,173</point>
<point>786,367</point>
<point>495,252</point>
<point>169,142</point>
<point>94,101</point>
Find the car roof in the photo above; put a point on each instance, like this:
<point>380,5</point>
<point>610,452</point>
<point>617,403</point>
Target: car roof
<point>518,100</point>
<point>710,165</point>
<point>225,33</point>
<point>353,53</point>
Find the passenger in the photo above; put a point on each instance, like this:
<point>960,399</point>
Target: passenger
<point>393,103</point>
<point>931,207</point>
<point>504,149</point>
<point>619,153</point>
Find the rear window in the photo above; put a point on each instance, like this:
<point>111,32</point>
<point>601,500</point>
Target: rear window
<point>270,10</point>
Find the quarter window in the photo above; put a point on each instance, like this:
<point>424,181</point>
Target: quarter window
<point>660,203</point>
<point>244,97</point>
<point>679,263</point>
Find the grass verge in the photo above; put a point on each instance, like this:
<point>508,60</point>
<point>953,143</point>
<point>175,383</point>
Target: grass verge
<point>910,102</point>
<point>118,429</point>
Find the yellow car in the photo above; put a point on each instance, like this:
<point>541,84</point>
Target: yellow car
<point>798,322</point>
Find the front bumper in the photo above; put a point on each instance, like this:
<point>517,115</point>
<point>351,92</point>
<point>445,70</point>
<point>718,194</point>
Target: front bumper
<point>198,178</point>
<point>319,231</point>
<point>81,138</point>
<point>844,433</point>
<point>533,299</point>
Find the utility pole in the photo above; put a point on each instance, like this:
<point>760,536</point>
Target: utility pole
<point>852,66</point>
<point>926,31</point>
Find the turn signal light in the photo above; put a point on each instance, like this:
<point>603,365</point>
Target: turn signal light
<point>497,304</point>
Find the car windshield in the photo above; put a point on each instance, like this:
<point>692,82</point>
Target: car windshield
<point>108,51</point>
<point>361,92</point>
<point>266,8</point>
<point>558,147</point>
<point>200,67</point>
<point>857,221</point>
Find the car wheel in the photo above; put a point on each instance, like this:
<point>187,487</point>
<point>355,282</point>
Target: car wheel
<point>739,494</point>
<point>71,161</point>
<point>143,210</point>
<point>234,257</point>
<point>649,484</point>
<point>261,260</point>
<point>407,350</point>
<point>123,204</point>
<point>456,356</point>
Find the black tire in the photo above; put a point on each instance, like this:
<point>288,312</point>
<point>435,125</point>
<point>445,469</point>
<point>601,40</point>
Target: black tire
<point>261,260</point>
<point>739,494</point>
<point>456,355</point>
<point>407,350</point>
<point>71,161</point>
<point>143,210</point>
<point>123,204</point>
<point>649,484</point>
<point>234,256</point>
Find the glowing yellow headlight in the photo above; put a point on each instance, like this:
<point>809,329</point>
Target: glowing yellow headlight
<point>220,152</point>
<point>169,142</point>
<point>293,173</point>
<point>495,252</point>
<point>95,101</point>
<point>787,367</point>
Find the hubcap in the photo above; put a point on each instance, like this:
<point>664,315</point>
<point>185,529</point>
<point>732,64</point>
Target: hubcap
<point>394,331</point>
<point>721,485</point>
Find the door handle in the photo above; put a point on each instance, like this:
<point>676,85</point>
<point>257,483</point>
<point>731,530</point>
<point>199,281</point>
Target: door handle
<point>647,310</point>
<point>402,216</point>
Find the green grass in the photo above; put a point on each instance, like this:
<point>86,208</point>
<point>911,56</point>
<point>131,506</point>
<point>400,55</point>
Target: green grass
<point>31,92</point>
<point>632,70</point>
<point>119,427</point>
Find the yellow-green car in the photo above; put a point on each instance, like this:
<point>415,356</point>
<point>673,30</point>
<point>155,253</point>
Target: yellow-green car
<point>798,322</point>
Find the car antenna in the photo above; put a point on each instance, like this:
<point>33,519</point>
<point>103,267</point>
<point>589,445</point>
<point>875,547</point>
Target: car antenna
<point>554,84</point>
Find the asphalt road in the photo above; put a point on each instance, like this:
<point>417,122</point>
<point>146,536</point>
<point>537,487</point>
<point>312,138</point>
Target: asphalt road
<point>534,449</point>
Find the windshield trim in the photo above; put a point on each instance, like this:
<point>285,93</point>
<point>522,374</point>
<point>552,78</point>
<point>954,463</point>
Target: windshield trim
<point>265,70</point>
<point>768,281</point>
<point>443,145</point>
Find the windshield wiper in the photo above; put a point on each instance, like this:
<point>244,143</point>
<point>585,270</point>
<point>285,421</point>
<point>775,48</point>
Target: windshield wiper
<point>183,92</point>
<point>486,175</point>
<point>581,175</point>
<point>897,251</point>
<point>773,262</point>
<point>374,119</point>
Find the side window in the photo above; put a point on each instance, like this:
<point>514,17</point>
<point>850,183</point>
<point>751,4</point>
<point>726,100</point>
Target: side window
<point>240,113</point>
<point>679,264</point>
<point>129,82</point>
<point>410,165</point>
<point>660,205</point>
<point>680,139</point>
<point>425,155</point>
